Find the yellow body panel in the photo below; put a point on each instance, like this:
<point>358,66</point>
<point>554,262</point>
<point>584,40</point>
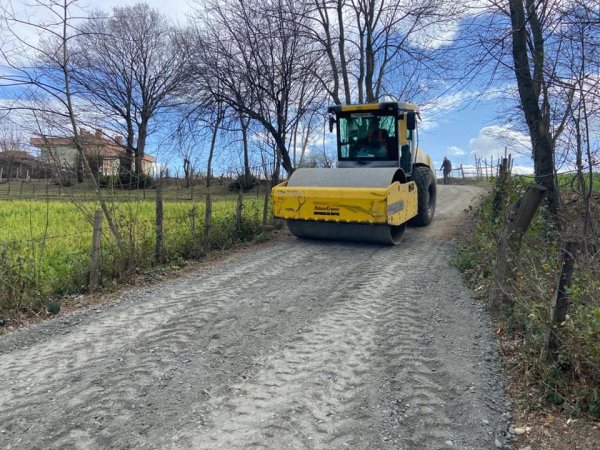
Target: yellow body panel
<point>393,205</point>
<point>423,158</point>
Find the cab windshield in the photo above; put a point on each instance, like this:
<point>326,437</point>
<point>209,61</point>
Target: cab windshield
<point>367,135</point>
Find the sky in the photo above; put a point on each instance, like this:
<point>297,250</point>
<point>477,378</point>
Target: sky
<point>454,125</point>
<point>475,129</point>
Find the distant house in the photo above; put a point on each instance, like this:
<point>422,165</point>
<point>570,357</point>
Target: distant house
<point>102,153</point>
<point>18,164</point>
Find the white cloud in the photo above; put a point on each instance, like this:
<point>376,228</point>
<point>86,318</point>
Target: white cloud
<point>492,140</point>
<point>455,151</point>
<point>522,170</point>
<point>436,35</point>
<point>438,109</point>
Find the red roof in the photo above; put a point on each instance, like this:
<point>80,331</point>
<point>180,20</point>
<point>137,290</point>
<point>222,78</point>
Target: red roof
<point>93,143</point>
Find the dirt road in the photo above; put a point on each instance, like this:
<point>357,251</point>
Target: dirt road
<point>298,345</point>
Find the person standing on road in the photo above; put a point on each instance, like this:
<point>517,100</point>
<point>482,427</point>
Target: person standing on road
<point>446,169</point>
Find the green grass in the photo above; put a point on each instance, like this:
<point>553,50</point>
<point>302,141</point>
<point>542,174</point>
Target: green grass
<point>45,245</point>
<point>566,181</point>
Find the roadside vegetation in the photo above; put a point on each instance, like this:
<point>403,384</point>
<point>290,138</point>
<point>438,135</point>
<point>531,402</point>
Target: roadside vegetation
<point>45,243</point>
<point>571,379</point>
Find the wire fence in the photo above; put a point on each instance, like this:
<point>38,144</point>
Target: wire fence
<point>47,230</point>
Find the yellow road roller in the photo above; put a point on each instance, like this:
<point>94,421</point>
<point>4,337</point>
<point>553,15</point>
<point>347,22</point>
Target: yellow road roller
<point>382,181</point>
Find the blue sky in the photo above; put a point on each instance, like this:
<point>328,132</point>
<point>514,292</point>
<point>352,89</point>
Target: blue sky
<point>454,125</point>
<point>472,129</point>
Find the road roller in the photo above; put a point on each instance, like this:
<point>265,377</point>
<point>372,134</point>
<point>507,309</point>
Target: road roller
<point>383,180</point>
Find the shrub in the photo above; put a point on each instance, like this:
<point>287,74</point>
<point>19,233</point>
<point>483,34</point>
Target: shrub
<point>574,381</point>
<point>127,181</point>
<point>243,182</point>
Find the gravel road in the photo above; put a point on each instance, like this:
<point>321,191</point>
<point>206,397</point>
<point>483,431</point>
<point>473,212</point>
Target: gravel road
<point>298,345</point>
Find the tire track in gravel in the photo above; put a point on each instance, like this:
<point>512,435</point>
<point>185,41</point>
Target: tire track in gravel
<point>330,359</point>
<point>299,345</point>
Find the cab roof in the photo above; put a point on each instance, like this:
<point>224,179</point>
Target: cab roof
<point>383,106</point>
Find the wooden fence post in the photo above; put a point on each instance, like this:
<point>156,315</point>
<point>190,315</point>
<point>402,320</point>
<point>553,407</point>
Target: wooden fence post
<point>95,259</point>
<point>239,211</point>
<point>560,304</point>
<point>486,168</point>
<point>193,223</point>
<point>501,181</point>
<point>159,223</point>
<point>207,217</point>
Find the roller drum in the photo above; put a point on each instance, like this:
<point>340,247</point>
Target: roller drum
<point>337,231</point>
<point>354,232</point>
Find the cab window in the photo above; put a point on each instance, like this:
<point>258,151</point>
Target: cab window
<point>367,136</point>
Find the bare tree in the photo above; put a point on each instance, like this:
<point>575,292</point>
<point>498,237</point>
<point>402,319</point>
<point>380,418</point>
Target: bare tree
<point>129,66</point>
<point>530,58</point>
<point>377,47</point>
<point>253,57</point>
<point>581,64</point>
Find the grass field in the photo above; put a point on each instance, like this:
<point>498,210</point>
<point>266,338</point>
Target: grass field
<point>566,181</point>
<point>45,243</point>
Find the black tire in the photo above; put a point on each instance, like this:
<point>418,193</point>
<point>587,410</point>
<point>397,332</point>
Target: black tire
<point>427,194</point>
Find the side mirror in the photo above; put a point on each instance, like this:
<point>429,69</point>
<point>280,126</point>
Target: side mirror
<point>332,122</point>
<point>411,120</point>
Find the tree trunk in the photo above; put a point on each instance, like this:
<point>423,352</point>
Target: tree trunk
<point>509,243</point>
<point>529,92</point>
<point>342,53</point>
<point>283,158</point>
<point>186,172</point>
<point>140,150</point>
<point>208,199</point>
<point>66,78</point>
<point>79,167</point>
<point>560,304</point>
<point>244,125</point>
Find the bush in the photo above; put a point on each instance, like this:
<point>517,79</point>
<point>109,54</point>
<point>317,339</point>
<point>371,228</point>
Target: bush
<point>127,181</point>
<point>243,182</point>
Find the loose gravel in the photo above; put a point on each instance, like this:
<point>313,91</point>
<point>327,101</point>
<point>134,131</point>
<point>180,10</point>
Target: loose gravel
<point>301,344</point>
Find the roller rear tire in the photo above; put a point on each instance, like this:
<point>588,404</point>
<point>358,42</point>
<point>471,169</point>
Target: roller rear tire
<point>427,194</point>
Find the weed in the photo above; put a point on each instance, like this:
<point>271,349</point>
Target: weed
<point>574,380</point>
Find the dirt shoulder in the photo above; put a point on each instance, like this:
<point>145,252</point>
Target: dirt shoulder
<point>537,424</point>
<point>296,344</point>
